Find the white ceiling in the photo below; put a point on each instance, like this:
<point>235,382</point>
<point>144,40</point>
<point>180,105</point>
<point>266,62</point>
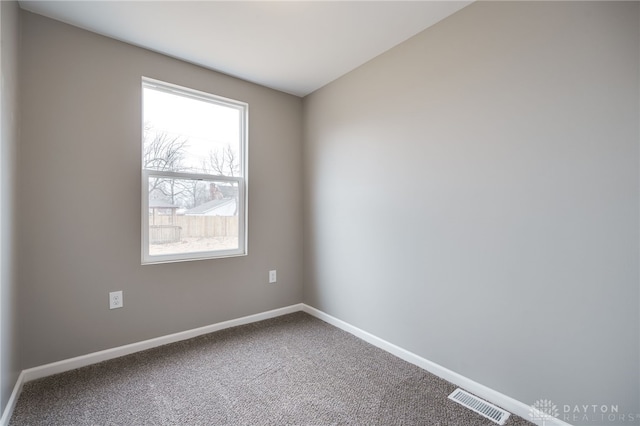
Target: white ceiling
<point>292,46</point>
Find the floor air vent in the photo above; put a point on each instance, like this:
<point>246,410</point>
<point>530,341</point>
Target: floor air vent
<point>481,407</point>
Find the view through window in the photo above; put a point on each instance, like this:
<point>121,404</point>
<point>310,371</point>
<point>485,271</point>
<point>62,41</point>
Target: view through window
<point>193,171</point>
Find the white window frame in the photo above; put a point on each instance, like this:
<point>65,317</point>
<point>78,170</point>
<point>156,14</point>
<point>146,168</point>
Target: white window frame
<point>240,181</point>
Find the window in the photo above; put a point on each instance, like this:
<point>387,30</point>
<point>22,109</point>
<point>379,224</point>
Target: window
<point>194,155</point>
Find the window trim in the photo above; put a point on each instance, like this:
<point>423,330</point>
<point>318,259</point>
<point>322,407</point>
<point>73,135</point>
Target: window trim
<point>241,181</point>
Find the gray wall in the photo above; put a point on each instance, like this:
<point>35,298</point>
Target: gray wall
<point>9,39</point>
<point>79,200</point>
<point>472,196</point>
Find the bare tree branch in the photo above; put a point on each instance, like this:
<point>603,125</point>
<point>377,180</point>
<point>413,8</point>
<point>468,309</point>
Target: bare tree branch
<point>164,153</point>
<point>224,162</point>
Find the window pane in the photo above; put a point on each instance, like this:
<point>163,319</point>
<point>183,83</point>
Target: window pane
<point>187,134</point>
<point>191,216</point>
<point>193,166</point>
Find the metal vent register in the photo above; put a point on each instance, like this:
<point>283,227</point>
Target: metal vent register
<point>481,407</point>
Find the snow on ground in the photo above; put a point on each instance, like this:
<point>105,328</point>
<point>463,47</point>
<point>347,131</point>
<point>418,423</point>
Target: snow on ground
<point>189,245</point>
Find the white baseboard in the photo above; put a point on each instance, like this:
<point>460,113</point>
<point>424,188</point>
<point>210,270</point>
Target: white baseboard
<point>497,398</point>
<point>513,406</point>
<point>13,400</point>
<point>96,357</point>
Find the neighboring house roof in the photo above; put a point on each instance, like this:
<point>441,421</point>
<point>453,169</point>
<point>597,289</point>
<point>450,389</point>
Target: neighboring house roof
<point>207,207</point>
<point>228,191</point>
<point>161,204</point>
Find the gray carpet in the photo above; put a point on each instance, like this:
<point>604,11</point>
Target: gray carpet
<point>290,370</point>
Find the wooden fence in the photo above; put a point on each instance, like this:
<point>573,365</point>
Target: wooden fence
<point>166,229</point>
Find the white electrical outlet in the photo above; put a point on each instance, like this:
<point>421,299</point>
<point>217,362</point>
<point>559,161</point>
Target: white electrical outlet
<point>115,299</point>
<point>272,277</point>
